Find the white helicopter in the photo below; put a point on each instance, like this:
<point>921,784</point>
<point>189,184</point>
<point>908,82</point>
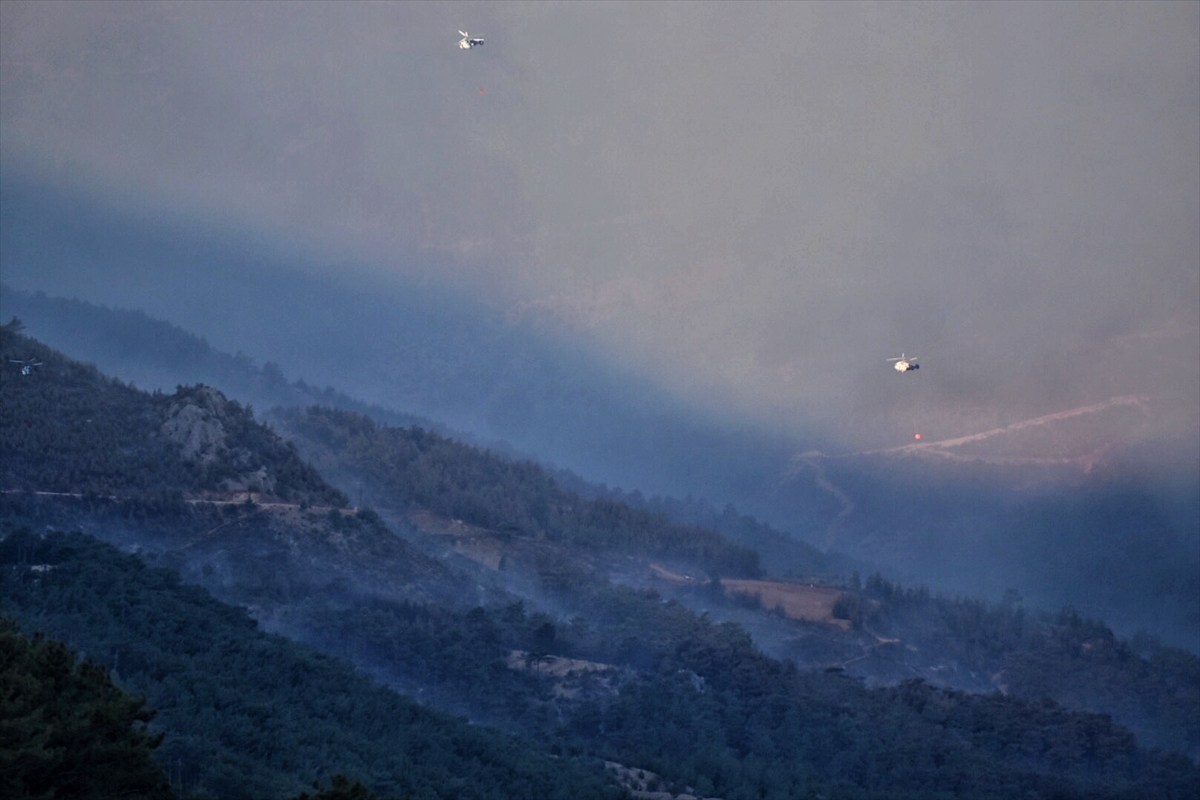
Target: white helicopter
<point>467,42</point>
<point>28,365</point>
<point>905,363</point>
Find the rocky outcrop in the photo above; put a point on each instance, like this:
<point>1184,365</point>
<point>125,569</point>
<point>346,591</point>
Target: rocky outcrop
<point>641,783</point>
<point>194,421</point>
<point>201,420</point>
<point>259,481</point>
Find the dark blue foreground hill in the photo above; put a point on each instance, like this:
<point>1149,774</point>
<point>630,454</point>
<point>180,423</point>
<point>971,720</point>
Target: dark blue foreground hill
<point>66,730</point>
<point>252,715</point>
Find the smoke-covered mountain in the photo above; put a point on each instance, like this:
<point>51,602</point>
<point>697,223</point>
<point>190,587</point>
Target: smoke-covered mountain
<point>486,588</point>
<point>236,712</point>
<point>1119,541</point>
<point>1021,506</point>
<point>408,347</point>
<point>551,384</point>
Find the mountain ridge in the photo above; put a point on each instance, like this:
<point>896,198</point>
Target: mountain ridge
<point>241,548</point>
<point>960,527</point>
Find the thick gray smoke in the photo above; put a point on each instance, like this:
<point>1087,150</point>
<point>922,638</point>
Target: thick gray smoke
<point>752,205</point>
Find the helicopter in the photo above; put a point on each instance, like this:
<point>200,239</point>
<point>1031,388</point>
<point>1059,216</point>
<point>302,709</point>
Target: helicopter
<point>905,363</point>
<point>467,42</point>
<point>28,365</point>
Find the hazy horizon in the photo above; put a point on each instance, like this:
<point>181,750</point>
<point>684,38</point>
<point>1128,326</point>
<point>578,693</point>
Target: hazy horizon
<point>751,206</point>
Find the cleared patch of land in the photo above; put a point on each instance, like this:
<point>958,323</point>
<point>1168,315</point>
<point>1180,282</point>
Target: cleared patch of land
<point>808,603</point>
<point>556,666</point>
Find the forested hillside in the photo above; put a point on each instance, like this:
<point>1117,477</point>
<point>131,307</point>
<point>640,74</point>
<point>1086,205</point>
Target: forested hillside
<point>897,633</point>
<point>497,594</point>
<point>1145,685</point>
<point>1120,542</point>
<point>244,714</point>
<point>66,730</point>
<point>66,428</point>
<point>248,715</point>
<point>153,354</point>
<point>190,477</point>
<point>782,556</point>
<point>411,467</point>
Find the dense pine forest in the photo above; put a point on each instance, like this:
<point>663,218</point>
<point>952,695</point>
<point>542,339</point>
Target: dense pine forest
<point>72,430</point>
<point>244,714</point>
<point>1152,688</point>
<point>67,730</point>
<point>487,589</point>
<point>960,642</point>
<point>414,467</point>
<point>247,714</point>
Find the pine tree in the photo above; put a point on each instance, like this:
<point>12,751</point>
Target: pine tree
<point>66,730</point>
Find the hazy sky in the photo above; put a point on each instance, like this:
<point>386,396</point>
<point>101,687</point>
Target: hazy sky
<point>757,203</point>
